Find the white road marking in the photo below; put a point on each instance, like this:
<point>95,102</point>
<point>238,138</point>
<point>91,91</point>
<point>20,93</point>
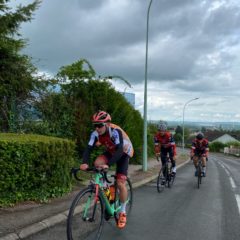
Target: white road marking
<point>237,196</point>
<point>238,201</point>
<point>232,182</point>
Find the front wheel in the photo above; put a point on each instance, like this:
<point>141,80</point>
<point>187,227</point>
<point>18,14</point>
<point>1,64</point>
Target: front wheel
<point>160,181</point>
<point>199,176</point>
<point>85,218</point>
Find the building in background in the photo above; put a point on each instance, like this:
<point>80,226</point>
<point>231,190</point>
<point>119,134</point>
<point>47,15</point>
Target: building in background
<point>130,97</point>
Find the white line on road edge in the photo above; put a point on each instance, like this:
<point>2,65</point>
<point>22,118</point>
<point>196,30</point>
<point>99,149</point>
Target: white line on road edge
<point>229,175</point>
<point>238,201</point>
<point>232,184</point>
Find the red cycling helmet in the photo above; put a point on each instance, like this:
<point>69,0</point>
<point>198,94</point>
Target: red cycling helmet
<point>101,117</point>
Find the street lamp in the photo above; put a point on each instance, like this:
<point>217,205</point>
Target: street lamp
<point>183,121</point>
<point>145,98</point>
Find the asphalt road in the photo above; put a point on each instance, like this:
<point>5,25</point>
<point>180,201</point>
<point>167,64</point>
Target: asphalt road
<point>183,212</point>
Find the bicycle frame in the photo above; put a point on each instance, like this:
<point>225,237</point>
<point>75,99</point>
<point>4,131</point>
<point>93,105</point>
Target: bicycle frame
<point>98,185</point>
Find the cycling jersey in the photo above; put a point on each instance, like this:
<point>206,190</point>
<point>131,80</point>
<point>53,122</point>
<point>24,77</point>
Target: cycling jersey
<point>114,139</point>
<point>165,142</point>
<point>200,147</point>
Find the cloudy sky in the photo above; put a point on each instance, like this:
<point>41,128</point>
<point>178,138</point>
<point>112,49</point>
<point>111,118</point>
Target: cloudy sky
<point>194,50</point>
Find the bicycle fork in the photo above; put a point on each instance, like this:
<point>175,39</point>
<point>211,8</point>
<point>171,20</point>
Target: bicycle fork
<point>88,205</point>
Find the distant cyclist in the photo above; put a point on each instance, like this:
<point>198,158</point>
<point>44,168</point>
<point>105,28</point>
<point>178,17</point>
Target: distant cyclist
<point>200,150</point>
<point>118,150</point>
<point>164,144</point>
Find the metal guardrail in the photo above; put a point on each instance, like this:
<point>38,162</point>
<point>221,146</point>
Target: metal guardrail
<point>232,151</point>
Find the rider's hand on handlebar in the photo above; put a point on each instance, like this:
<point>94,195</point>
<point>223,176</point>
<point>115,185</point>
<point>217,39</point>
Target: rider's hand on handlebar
<point>84,167</point>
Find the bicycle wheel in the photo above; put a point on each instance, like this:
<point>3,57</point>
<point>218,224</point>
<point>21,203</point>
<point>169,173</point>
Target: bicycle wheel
<point>129,194</point>
<point>170,179</point>
<point>85,217</point>
<point>160,181</point>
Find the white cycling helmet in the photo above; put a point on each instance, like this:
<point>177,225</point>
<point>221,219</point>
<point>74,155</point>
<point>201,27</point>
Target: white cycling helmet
<point>162,127</point>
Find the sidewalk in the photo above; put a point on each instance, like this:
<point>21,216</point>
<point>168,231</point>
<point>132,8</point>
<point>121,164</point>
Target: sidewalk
<point>29,218</point>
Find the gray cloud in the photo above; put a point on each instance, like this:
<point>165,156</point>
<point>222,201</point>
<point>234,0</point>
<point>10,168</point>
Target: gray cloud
<point>193,44</point>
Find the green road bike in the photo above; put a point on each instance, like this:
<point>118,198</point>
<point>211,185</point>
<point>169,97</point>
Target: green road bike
<point>95,204</point>
<point>165,176</point>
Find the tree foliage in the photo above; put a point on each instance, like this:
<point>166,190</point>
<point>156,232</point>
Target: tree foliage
<point>68,112</point>
<point>16,69</point>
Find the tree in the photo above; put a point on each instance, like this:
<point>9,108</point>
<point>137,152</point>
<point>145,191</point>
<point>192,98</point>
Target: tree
<point>16,69</point>
<point>179,130</point>
<point>68,112</point>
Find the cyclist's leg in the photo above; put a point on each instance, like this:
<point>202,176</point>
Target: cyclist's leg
<point>204,166</point>
<point>195,162</point>
<point>171,156</point>
<point>121,172</point>
<point>163,160</point>
<point>102,159</point>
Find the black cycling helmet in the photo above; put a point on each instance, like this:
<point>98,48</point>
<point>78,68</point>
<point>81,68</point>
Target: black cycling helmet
<point>200,136</point>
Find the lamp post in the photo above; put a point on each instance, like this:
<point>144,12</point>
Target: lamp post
<point>145,98</point>
<point>183,121</point>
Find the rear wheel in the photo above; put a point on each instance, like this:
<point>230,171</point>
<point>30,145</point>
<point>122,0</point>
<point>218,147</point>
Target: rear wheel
<point>85,217</point>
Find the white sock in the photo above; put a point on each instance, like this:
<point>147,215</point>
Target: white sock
<point>174,169</point>
<point>204,169</point>
<point>123,207</point>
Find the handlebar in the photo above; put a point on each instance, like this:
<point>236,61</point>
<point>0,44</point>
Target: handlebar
<point>103,172</point>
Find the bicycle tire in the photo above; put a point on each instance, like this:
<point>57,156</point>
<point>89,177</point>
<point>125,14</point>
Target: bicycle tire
<point>160,186</point>
<point>170,180</point>
<point>82,222</point>
<point>130,196</point>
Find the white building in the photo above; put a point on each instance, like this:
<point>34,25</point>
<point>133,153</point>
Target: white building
<point>130,97</point>
<point>226,138</point>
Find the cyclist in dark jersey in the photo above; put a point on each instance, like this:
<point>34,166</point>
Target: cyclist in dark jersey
<point>199,150</point>
<point>118,150</point>
<point>164,144</point>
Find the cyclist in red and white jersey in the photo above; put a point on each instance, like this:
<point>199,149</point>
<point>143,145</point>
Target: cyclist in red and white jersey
<point>118,150</point>
<point>200,150</point>
<point>164,144</point>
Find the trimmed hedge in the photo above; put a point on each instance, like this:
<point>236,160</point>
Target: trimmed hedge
<point>34,167</point>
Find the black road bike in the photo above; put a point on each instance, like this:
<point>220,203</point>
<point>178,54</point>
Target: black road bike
<point>165,177</point>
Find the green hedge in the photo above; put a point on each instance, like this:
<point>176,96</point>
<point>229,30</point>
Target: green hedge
<point>216,146</point>
<point>34,167</point>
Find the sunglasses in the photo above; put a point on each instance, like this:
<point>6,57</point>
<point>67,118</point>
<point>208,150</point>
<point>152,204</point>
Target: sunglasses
<point>98,125</point>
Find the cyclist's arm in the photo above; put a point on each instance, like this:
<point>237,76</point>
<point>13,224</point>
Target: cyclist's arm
<point>89,148</point>
<point>193,148</point>
<point>206,150</point>
<point>156,145</point>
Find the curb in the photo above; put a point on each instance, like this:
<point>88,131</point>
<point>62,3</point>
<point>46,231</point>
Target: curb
<point>58,218</point>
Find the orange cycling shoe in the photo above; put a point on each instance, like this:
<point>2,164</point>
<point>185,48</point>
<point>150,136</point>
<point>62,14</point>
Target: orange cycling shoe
<point>122,219</point>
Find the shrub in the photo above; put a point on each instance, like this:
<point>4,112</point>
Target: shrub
<point>216,146</point>
<point>34,167</point>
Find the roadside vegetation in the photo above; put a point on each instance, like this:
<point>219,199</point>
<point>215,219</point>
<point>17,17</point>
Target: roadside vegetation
<point>60,106</point>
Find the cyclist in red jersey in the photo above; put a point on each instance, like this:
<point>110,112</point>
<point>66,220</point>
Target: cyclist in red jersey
<point>200,149</point>
<point>118,150</point>
<point>164,144</point>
